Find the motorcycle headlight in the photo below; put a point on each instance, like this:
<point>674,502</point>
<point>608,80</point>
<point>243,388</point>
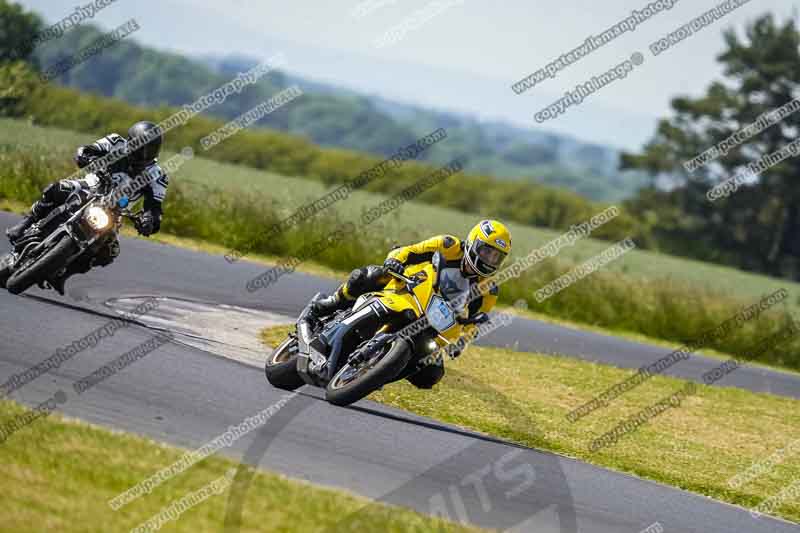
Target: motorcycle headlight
<point>97,218</point>
<point>431,346</point>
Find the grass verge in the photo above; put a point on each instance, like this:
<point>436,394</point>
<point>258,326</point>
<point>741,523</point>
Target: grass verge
<point>714,435</point>
<point>59,475</point>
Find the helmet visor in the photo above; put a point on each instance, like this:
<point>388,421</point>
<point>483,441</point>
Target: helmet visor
<point>489,258</point>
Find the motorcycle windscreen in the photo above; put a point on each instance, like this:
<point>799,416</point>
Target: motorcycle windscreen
<point>454,288</point>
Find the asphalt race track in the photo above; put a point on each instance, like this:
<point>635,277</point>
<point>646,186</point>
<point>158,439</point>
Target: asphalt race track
<point>186,394</point>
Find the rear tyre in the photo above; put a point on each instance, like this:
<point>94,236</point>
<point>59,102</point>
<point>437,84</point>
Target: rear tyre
<point>52,261</point>
<point>353,383</point>
<point>281,366</point>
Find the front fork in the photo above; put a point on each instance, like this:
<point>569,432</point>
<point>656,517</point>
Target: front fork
<point>320,355</point>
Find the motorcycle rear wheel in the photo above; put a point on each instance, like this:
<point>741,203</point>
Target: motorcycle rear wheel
<point>52,260</point>
<point>281,366</point>
<point>353,383</point>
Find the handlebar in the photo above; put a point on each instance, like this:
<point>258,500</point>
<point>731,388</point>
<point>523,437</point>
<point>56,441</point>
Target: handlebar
<point>127,213</point>
<point>480,318</point>
<point>408,281</point>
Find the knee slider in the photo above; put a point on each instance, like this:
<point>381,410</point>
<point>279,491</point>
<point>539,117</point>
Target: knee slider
<point>51,192</point>
<point>113,249</point>
<point>376,276</point>
<point>357,279</point>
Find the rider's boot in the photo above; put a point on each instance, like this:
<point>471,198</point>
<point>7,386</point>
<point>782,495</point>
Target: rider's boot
<point>327,306</point>
<point>39,210</point>
<point>360,281</point>
<point>17,230</point>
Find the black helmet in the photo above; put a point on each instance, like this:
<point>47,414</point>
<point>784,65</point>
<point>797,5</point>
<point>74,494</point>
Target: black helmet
<point>144,143</point>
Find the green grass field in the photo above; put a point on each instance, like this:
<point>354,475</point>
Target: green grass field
<point>414,220</point>
<point>58,475</point>
<point>712,436</point>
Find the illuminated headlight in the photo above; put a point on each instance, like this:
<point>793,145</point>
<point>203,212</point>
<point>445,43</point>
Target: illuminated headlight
<point>431,346</point>
<point>97,218</point>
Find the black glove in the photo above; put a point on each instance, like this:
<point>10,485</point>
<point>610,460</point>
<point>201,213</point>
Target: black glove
<point>147,223</point>
<point>394,265</point>
<point>480,318</point>
<point>453,351</point>
<point>85,156</point>
<point>83,161</point>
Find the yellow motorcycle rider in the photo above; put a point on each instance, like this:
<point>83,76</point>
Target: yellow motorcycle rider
<point>476,258</point>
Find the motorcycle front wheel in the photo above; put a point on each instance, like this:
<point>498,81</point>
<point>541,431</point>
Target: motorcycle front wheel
<point>355,382</point>
<point>51,261</point>
<point>6,266</point>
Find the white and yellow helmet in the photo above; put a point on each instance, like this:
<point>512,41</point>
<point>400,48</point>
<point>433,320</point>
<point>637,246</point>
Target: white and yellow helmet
<point>487,246</point>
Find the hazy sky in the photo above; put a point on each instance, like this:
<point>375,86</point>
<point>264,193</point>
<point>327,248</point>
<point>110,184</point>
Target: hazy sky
<point>464,58</point>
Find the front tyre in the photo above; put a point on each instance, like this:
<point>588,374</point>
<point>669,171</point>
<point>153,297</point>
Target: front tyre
<point>50,262</point>
<point>281,366</point>
<point>6,267</point>
<point>353,383</point>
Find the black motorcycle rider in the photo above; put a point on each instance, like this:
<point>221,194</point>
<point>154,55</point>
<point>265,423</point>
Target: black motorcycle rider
<point>141,161</point>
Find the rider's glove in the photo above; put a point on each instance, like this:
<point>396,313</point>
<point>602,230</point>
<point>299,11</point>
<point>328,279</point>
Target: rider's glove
<point>147,223</point>
<point>394,265</point>
<point>86,155</point>
<point>82,160</point>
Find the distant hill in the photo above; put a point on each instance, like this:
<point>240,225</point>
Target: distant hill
<point>332,116</point>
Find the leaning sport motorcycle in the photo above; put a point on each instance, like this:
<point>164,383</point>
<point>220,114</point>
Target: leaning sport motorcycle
<point>82,225</point>
<point>386,336</point>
